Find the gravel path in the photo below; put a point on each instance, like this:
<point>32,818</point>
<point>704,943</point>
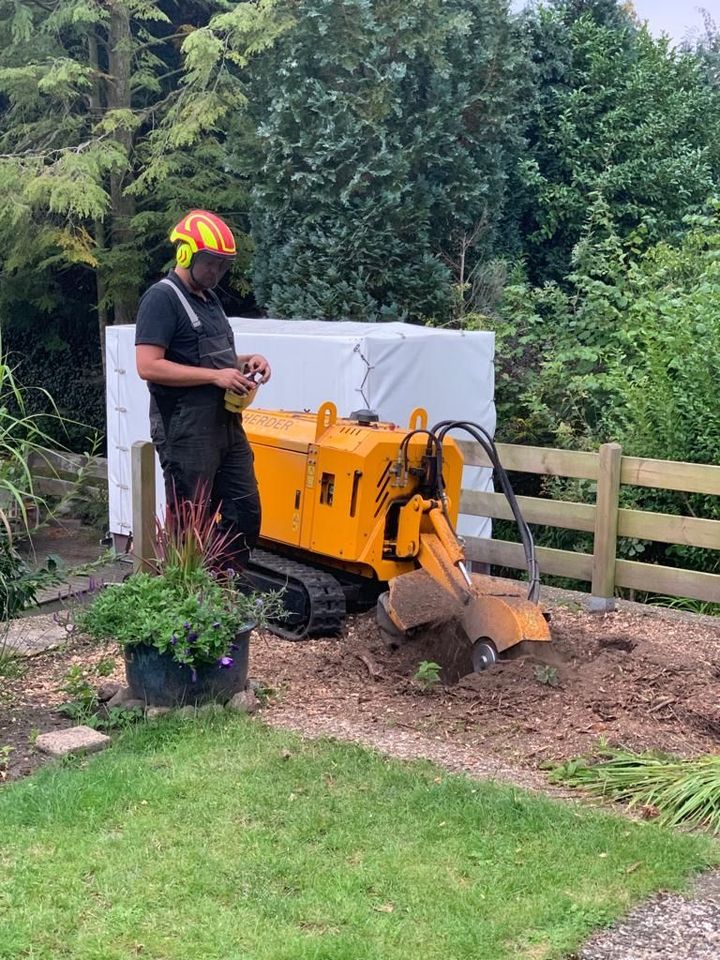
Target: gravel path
<point>410,745</point>
<point>668,927</point>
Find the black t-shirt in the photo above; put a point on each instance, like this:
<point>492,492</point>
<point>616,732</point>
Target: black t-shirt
<point>163,322</point>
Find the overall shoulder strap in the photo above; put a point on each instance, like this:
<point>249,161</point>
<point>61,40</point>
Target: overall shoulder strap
<point>191,315</point>
<point>216,300</point>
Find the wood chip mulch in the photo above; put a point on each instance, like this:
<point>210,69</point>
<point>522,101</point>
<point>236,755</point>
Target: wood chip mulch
<point>626,679</point>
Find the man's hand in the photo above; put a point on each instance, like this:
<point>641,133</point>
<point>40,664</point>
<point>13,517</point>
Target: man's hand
<point>153,366</point>
<point>230,378</point>
<point>258,364</point>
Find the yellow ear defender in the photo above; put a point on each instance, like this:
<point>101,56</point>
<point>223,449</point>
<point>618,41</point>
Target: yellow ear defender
<point>183,254</point>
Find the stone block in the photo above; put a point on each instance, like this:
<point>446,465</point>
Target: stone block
<point>120,698</point>
<point>601,604</point>
<point>153,712</point>
<point>27,636</point>
<point>59,743</point>
<point>244,702</point>
<point>209,709</point>
<point>106,691</point>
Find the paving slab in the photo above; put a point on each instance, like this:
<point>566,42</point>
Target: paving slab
<point>82,739</point>
<point>30,635</point>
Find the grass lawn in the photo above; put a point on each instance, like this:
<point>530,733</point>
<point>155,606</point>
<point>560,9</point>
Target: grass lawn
<point>220,839</point>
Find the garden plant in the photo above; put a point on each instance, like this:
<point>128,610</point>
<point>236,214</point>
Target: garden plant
<point>191,606</point>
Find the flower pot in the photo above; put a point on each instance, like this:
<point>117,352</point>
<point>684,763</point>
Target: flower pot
<point>159,680</point>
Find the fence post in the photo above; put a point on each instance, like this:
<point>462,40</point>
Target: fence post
<point>602,597</point>
<point>143,503</point>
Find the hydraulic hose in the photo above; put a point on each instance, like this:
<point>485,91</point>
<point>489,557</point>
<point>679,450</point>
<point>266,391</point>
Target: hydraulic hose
<point>480,434</point>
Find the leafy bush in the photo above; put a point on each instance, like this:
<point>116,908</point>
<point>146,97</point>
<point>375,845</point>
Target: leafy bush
<point>191,607</point>
<point>19,584</point>
<point>385,134</point>
<point>71,372</point>
<point>195,618</point>
<point>21,434</point>
<point>629,353</point>
<point>612,110</point>
<point>669,384</point>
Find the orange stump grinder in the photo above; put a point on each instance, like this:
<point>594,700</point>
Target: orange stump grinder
<point>358,511</point>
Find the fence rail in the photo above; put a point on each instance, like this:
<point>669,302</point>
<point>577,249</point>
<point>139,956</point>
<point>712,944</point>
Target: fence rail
<point>57,473</point>
<point>605,519</point>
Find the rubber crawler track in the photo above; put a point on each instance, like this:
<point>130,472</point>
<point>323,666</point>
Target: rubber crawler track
<point>320,593</point>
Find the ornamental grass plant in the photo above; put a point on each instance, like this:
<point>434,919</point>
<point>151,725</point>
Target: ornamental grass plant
<point>21,436</point>
<point>677,791</point>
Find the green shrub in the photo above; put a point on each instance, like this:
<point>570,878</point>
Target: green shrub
<point>377,154</point>
<point>19,584</point>
<point>630,353</point>
<point>191,606</point>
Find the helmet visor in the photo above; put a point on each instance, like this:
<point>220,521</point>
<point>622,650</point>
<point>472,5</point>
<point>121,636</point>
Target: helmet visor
<point>208,269</point>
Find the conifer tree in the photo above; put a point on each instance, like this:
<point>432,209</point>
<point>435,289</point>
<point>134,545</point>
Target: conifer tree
<point>112,122</point>
<point>385,133</point>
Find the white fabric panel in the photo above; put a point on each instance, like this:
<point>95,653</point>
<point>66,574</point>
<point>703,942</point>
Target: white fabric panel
<point>453,377</point>
<point>114,427</point>
<point>128,422</point>
<point>306,370</point>
<point>391,367</point>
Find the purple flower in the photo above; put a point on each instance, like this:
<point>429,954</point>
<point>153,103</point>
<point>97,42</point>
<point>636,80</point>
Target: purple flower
<point>192,637</point>
<point>229,572</point>
<point>259,603</point>
<point>173,639</point>
<point>226,662</point>
<point>234,647</point>
<point>186,626</point>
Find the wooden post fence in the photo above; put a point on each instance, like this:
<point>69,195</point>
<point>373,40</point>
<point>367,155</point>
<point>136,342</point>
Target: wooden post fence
<point>56,474</point>
<point>607,502</point>
<point>604,519</point>
<point>143,503</point>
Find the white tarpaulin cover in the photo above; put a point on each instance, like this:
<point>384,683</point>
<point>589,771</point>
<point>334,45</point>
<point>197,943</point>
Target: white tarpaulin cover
<point>390,367</point>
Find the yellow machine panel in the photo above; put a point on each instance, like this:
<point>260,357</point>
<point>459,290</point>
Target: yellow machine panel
<point>357,505</point>
<point>354,483</point>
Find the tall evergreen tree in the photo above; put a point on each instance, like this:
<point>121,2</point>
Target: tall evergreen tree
<point>112,118</point>
<point>385,132</point>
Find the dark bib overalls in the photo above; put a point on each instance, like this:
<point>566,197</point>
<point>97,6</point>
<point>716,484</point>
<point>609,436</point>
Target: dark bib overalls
<point>202,447</point>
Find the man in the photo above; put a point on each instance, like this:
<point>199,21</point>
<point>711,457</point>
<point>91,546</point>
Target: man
<point>185,351</point>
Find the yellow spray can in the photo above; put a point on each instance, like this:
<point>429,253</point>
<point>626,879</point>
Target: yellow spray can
<point>237,402</point>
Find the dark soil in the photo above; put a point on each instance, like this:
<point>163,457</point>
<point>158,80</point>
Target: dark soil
<point>30,694</point>
<point>645,682</point>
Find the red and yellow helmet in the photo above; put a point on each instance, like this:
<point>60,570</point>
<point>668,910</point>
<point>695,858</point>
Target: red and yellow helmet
<point>202,232</point>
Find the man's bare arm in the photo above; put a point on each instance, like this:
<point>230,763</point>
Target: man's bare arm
<point>152,365</point>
